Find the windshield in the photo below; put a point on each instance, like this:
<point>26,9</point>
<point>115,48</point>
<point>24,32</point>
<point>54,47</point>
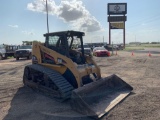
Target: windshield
<point>25,47</point>
<point>76,41</point>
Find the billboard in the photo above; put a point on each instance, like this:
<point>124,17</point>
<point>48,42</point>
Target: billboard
<point>117,25</point>
<point>117,8</point>
<point>117,18</point>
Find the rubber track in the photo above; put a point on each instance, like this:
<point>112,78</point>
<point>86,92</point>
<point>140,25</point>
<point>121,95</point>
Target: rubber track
<point>64,87</point>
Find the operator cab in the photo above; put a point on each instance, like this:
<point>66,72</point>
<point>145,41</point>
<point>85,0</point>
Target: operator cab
<point>64,43</point>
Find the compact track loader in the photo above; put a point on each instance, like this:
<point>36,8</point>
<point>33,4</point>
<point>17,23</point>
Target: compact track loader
<point>62,72</point>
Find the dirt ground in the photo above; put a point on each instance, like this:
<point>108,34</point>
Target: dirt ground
<point>140,71</point>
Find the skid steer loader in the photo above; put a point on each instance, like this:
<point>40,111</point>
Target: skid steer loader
<point>62,72</point>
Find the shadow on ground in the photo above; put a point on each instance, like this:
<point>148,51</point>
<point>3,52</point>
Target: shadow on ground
<point>20,60</point>
<point>30,105</point>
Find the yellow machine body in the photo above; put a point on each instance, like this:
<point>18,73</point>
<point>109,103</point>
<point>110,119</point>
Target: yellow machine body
<point>59,70</point>
<point>62,63</point>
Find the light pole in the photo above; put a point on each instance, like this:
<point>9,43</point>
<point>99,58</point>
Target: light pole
<point>47,16</point>
<point>103,40</point>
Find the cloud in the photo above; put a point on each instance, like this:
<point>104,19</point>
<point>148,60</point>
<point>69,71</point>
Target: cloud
<point>13,26</point>
<point>28,33</point>
<point>72,12</point>
<point>40,6</point>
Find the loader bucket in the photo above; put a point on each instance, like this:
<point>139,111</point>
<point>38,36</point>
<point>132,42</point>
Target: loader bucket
<point>98,98</point>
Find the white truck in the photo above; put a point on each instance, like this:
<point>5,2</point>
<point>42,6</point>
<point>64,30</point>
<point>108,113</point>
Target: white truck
<point>7,51</point>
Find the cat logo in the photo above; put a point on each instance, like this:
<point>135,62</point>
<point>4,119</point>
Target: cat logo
<point>117,8</point>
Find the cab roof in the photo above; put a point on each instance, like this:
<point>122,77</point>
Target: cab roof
<point>68,33</point>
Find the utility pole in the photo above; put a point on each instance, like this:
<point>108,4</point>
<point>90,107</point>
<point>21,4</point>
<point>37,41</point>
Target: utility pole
<point>103,40</point>
<point>47,16</point>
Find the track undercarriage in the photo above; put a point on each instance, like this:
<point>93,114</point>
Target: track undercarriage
<point>47,81</point>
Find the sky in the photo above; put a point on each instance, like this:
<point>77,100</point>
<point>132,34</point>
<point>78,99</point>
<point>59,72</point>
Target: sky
<point>25,20</point>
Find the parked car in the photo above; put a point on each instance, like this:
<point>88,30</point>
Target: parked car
<point>100,51</point>
<point>24,51</point>
<point>115,47</point>
<point>121,47</point>
<point>108,47</point>
<point>87,50</point>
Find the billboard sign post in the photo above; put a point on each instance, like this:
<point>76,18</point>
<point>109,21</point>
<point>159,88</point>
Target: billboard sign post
<point>118,21</point>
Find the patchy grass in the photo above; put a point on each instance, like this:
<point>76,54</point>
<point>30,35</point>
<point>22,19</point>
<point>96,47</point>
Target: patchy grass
<point>145,45</point>
<point>141,47</point>
<point>10,57</point>
<point>151,45</point>
<point>133,48</point>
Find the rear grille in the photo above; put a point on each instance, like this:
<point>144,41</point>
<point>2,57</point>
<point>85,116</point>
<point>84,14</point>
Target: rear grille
<point>103,52</point>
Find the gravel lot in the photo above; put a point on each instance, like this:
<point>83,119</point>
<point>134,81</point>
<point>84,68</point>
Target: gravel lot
<point>140,71</point>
